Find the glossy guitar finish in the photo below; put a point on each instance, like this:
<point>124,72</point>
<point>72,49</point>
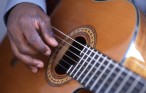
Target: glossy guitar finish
<point>114,22</point>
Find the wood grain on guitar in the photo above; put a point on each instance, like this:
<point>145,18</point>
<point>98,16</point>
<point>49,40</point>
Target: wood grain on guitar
<point>98,34</point>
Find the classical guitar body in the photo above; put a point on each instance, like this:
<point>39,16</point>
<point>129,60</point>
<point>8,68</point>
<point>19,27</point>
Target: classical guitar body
<point>109,27</point>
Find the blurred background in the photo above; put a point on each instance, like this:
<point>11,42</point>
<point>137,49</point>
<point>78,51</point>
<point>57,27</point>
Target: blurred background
<point>2,25</point>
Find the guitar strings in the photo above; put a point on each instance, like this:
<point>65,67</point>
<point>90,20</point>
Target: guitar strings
<point>72,40</point>
<point>73,60</point>
<point>75,47</point>
<point>99,70</point>
<point>76,42</point>
<point>113,63</point>
<point>76,55</point>
<point>67,36</point>
<point>92,71</point>
<point>80,65</point>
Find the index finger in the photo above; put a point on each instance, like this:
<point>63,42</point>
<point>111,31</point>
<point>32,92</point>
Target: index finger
<point>48,32</point>
<point>35,40</point>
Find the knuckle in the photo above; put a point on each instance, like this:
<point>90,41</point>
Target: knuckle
<point>32,38</point>
<point>42,48</point>
<point>24,51</point>
<point>36,42</point>
<point>23,20</point>
<point>29,61</point>
<point>46,20</point>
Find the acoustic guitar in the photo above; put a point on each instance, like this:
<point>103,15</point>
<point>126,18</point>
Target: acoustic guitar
<point>101,50</point>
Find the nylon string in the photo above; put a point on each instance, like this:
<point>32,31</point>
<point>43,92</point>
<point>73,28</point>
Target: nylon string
<point>74,53</point>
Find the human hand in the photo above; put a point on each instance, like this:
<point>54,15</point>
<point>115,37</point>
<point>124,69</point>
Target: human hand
<point>26,23</point>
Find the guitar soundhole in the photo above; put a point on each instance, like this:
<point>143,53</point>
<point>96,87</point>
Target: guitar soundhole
<point>67,54</point>
<point>82,90</point>
<point>71,56</point>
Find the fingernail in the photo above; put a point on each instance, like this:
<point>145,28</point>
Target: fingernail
<point>47,53</point>
<point>53,41</point>
<point>34,70</point>
<point>40,65</point>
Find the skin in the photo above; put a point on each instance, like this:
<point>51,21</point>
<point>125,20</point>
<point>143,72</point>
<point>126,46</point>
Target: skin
<point>29,31</point>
